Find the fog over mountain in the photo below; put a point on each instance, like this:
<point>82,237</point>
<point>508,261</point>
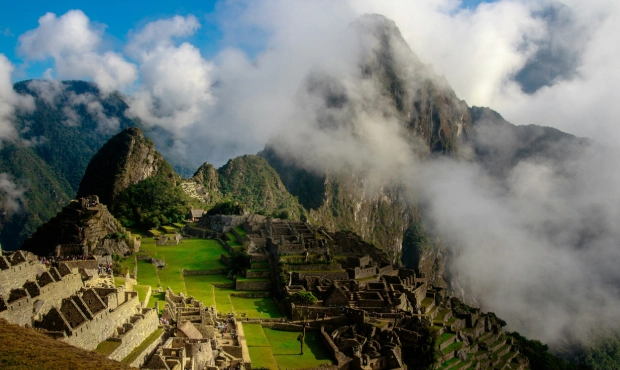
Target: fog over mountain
<point>532,238</point>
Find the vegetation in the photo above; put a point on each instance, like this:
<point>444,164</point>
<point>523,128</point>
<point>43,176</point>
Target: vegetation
<point>539,356</point>
<point>302,298</point>
<point>37,351</point>
<point>603,354</point>
<point>151,203</point>
<point>285,349</point>
<point>415,241</point>
<point>424,355</point>
<point>227,207</point>
<point>250,180</point>
<point>139,349</point>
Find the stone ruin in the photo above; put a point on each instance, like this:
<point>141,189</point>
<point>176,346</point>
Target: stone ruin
<point>199,339</point>
<point>83,227</point>
<point>370,313</point>
<point>72,304</point>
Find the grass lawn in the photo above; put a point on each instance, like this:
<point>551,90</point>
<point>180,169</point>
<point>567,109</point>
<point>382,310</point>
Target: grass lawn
<point>193,254</point>
<point>240,231</point>
<point>256,307</point>
<point>285,349</point>
<point>106,347</point>
<point>155,232</point>
<point>147,274</point>
<point>262,358</point>
<point>168,229</point>
<point>142,290</point>
<point>158,297</point>
<point>222,299</point>
<point>178,225</point>
<point>171,277</point>
<point>258,346</point>
<point>201,286</point>
<point>118,281</point>
<point>232,240</point>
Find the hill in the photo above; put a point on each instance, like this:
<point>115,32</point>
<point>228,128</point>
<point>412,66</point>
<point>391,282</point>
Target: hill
<point>26,349</point>
<point>70,122</point>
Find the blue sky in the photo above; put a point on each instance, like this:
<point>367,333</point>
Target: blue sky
<point>119,17</point>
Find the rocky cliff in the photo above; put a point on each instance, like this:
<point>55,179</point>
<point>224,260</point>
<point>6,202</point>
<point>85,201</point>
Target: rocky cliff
<point>125,160</point>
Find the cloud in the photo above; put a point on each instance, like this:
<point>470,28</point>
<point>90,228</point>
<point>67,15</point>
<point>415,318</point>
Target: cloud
<point>74,43</point>
<point>10,101</point>
<point>176,81</point>
<point>11,195</point>
<point>537,243</point>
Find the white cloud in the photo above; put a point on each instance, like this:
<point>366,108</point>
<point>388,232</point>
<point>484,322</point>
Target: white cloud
<point>74,43</point>
<point>10,101</point>
<point>11,195</point>
<point>176,81</point>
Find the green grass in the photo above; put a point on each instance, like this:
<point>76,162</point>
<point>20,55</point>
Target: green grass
<point>128,265</point>
<point>201,286</point>
<point>139,349</point>
<point>178,225</point>
<point>444,337</point>
<point>449,362</point>
<point>453,347</point>
<point>262,358</point>
<point>222,299</point>
<point>158,297</point>
<point>155,232</point>
<point>142,290</point>
<point>255,336</point>
<point>106,347</point>
<point>171,277</point>
<point>147,274</point>
<point>258,346</point>
<point>285,349</point>
<point>232,240</point>
<point>240,231</point>
<point>241,278</point>
<point>256,307</point>
<point>168,229</point>
<point>118,281</point>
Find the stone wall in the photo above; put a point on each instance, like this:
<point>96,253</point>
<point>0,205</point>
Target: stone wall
<point>103,325</point>
<point>253,285</point>
<point>223,223</point>
<point>15,276</point>
<point>333,275</point>
<point>40,299</point>
<point>148,351</point>
<point>83,264</point>
<point>245,354</point>
<point>253,274</point>
<point>342,360</point>
<point>361,272</point>
<point>142,326</point>
<point>314,266</point>
<point>252,295</point>
<point>204,272</point>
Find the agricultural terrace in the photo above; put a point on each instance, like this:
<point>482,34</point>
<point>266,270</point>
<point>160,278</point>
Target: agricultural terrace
<point>268,348</point>
<point>196,254</point>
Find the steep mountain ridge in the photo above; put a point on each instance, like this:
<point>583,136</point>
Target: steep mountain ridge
<point>125,160</point>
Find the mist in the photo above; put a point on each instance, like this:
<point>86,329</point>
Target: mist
<point>535,242</point>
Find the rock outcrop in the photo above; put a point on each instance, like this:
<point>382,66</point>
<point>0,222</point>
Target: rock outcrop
<point>124,160</point>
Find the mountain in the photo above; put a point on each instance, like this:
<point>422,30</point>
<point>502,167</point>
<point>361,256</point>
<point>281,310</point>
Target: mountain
<point>428,113</point>
<point>125,160</point>
<point>70,122</point>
